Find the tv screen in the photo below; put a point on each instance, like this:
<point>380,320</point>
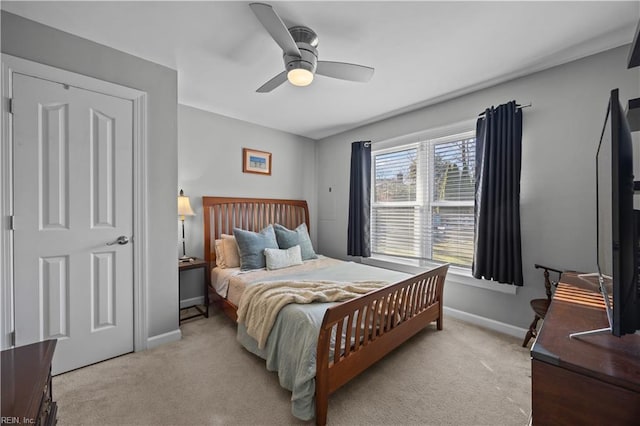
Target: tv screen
<point>617,233</point>
<point>603,197</point>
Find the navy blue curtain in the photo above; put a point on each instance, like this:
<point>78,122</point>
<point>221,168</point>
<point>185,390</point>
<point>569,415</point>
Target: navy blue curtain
<point>498,253</point>
<point>359,231</point>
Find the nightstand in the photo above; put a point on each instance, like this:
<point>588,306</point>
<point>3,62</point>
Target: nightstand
<point>195,264</point>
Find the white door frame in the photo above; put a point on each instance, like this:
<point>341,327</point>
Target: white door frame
<point>11,65</point>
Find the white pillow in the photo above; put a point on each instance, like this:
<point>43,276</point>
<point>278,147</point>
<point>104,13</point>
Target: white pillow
<point>231,252</point>
<point>277,259</point>
<point>220,254</point>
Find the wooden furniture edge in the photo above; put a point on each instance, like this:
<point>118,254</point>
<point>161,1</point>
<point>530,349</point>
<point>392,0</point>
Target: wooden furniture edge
<point>588,379</point>
<point>29,409</point>
<point>228,308</point>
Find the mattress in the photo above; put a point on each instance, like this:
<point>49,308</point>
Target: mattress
<point>220,279</point>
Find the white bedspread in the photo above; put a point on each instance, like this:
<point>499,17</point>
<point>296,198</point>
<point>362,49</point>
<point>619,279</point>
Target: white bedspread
<point>231,282</point>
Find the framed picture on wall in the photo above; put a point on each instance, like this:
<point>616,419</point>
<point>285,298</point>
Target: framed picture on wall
<point>254,161</point>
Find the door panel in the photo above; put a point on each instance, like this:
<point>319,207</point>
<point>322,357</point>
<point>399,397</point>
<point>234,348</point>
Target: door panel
<point>72,196</point>
<point>54,148</point>
<point>54,288</point>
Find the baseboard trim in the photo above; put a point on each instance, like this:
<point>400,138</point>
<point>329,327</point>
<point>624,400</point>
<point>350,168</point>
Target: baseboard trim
<point>186,303</point>
<point>489,323</point>
<point>161,339</point>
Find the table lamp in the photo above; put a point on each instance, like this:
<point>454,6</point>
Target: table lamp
<point>184,209</point>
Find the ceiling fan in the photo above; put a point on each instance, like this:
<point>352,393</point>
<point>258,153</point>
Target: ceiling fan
<point>299,45</point>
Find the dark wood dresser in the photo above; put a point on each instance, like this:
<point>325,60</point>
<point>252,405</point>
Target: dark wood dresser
<point>26,384</point>
<point>588,380</point>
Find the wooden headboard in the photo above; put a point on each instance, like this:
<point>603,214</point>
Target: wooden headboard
<point>222,214</point>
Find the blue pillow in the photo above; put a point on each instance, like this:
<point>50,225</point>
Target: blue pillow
<point>298,237</point>
<point>251,246</point>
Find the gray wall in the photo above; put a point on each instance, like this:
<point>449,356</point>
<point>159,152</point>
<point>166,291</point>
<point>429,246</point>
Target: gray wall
<point>210,163</point>
<point>560,135</point>
<point>33,41</point>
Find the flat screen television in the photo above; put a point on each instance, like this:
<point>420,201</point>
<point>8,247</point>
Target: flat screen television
<point>617,222</point>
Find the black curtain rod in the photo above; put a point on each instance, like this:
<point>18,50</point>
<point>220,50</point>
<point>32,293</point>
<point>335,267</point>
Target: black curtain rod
<point>517,107</point>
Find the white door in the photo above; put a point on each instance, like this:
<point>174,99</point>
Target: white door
<point>72,195</point>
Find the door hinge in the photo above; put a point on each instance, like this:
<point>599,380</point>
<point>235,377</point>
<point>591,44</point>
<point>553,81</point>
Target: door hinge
<point>12,338</point>
<point>12,223</point>
<point>10,105</point>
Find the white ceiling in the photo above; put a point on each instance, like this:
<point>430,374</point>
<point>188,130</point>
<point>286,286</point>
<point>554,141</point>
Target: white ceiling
<point>423,52</point>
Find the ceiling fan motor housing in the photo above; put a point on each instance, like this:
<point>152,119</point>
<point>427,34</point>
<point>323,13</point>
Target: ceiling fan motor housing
<point>307,41</point>
<point>300,54</point>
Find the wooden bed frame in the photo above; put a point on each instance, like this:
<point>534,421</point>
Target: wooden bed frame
<point>374,324</point>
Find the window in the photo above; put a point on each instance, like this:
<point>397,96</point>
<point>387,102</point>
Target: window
<point>423,200</point>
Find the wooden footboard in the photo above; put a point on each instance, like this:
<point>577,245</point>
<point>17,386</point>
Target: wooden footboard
<point>373,325</point>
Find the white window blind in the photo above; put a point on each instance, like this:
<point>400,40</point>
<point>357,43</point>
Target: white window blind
<point>423,199</point>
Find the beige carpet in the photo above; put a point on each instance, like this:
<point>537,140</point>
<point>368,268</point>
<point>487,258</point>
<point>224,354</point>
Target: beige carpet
<point>463,375</point>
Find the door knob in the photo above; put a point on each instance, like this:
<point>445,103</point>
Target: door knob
<point>122,240</point>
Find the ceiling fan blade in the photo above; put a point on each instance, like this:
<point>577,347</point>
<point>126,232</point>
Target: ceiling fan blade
<point>273,83</point>
<point>345,71</point>
<point>274,25</point>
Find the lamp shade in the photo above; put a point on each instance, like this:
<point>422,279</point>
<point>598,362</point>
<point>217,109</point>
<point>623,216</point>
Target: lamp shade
<point>184,206</point>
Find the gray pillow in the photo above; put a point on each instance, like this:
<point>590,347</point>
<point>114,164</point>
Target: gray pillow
<point>251,246</point>
<point>298,237</point>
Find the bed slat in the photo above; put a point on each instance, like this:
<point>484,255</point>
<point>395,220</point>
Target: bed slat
<point>405,299</point>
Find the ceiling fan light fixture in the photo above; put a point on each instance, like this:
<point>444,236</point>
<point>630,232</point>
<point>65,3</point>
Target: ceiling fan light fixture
<point>300,77</point>
<point>299,46</point>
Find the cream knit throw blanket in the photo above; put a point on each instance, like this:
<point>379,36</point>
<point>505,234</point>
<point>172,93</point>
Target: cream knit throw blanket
<point>260,303</point>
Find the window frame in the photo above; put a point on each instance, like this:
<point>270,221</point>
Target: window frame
<point>425,148</point>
